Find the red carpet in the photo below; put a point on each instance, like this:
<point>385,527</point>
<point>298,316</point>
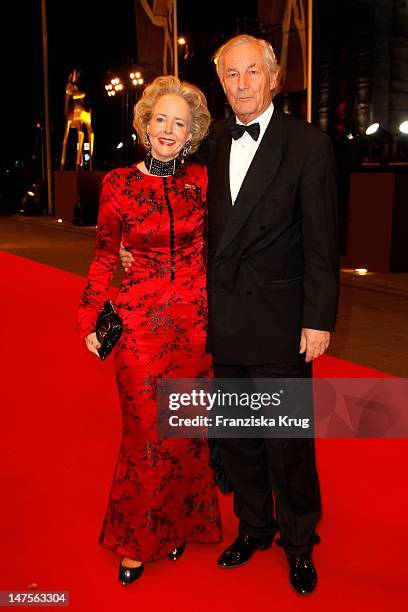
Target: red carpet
<point>59,439</point>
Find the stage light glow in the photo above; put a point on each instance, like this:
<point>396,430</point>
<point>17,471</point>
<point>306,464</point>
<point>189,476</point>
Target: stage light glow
<point>140,81</point>
<point>181,40</point>
<point>59,220</point>
<point>134,136</point>
<point>30,193</point>
<point>132,75</point>
<point>137,75</point>
<point>361,271</point>
<point>372,129</point>
<point>350,136</point>
<point>403,127</point>
<point>120,145</point>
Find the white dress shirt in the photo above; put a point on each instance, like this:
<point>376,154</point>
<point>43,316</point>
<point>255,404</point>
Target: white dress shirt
<point>243,151</point>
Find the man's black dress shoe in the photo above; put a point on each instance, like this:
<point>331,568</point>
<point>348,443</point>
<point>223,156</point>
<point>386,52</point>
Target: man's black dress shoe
<point>302,573</point>
<point>175,554</point>
<point>127,575</point>
<point>241,551</point>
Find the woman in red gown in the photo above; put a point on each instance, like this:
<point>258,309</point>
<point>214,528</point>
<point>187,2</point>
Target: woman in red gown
<point>163,494</point>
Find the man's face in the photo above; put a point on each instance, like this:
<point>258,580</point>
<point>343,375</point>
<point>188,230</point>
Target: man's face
<point>247,82</point>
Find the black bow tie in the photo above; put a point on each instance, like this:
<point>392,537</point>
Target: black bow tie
<point>237,130</point>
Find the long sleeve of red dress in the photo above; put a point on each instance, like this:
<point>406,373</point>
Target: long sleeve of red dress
<point>103,266</point>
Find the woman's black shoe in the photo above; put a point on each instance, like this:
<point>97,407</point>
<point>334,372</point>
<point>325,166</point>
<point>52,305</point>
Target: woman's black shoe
<point>127,575</point>
<point>176,553</point>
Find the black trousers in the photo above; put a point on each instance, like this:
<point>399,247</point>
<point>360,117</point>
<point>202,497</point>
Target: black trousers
<point>273,472</point>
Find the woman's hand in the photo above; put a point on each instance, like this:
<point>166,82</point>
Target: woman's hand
<point>92,343</point>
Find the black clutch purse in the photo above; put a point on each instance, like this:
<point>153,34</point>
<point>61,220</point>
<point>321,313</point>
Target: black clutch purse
<point>108,329</point>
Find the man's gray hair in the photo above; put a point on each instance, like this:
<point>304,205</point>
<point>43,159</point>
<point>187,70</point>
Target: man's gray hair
<point>242,39</point>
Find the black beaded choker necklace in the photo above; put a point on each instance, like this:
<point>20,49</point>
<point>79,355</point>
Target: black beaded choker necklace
<point>161,168</point>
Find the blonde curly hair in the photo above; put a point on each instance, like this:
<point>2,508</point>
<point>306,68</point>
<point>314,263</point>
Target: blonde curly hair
<point>163,85</point>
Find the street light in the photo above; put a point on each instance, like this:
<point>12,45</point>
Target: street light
<point>129,84</point>
<point>379,142</point>
<point>113,87</point>
<point>400,146</point>
<point>403,127</point>
<point>183,44</point>
<point>116,86</point>
<point>372,129</point>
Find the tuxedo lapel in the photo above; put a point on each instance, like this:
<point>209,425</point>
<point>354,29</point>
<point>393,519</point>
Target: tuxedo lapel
<point>220,186</point>
<point>260,175</point>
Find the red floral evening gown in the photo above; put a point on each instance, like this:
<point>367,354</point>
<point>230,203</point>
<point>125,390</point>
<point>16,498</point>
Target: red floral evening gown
<point>163,492</point>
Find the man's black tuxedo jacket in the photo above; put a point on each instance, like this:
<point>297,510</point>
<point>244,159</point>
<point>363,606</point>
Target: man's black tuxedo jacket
<point>273,257</point>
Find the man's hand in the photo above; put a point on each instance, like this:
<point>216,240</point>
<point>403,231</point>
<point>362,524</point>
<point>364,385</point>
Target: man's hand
<point>126,258</point>
<point>314,342</point>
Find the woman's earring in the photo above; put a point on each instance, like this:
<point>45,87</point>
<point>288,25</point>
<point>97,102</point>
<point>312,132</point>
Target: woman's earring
<point>147,144</point>
<point>186,150</point>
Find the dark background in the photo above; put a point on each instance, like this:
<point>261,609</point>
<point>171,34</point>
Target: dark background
<point>360,75</point>
<point>95,37</point>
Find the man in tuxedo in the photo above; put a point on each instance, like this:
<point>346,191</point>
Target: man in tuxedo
<point>272,291</point>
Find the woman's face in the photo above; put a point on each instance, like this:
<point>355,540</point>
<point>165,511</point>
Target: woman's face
<point>169,126</point>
